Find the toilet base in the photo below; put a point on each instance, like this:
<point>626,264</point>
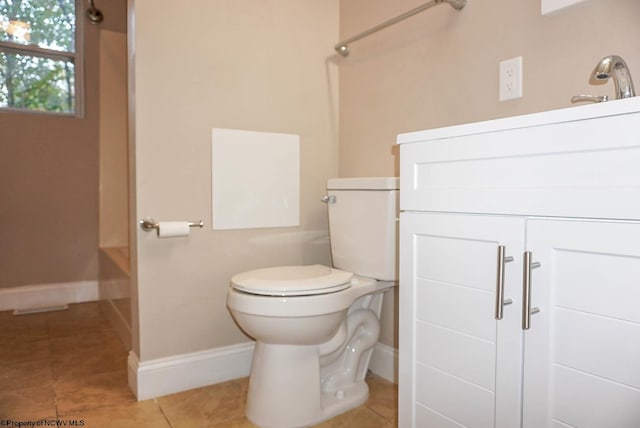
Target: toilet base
<point>285,395</point>
<point>343,400</point>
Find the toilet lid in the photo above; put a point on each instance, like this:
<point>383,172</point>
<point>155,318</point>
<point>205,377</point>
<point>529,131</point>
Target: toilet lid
<point>292,280</point>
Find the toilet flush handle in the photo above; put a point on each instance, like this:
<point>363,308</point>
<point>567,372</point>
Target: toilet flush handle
<point>329,199</point>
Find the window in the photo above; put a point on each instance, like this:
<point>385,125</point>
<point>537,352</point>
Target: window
<point>40,66</point>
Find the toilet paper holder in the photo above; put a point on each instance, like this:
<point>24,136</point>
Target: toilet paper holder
<point>149,224</point>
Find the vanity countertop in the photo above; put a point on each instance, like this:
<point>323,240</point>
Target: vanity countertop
<point>569,114</point>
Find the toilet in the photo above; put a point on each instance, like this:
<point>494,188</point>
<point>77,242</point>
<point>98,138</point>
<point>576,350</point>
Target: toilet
<point>315,326</point>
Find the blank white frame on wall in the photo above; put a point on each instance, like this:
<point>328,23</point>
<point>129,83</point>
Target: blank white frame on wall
<point>255,179</point>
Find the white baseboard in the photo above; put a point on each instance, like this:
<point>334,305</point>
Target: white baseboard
<point>163,376</point>
<point>155,378</point>
<point>47,295</point>
<point>384,362</point>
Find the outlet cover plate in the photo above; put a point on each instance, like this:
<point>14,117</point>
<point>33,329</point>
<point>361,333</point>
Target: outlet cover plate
<point>511,79</point>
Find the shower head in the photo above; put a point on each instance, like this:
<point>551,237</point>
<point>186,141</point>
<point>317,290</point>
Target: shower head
<point>94,15</point>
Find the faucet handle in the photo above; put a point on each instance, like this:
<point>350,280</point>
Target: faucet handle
<point>590,98</point>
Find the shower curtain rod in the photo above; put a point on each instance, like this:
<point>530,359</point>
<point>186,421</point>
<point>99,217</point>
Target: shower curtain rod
<point>343,47</point>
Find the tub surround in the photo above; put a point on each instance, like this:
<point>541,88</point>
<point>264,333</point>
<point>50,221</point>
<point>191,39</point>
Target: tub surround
<point>115,290</point>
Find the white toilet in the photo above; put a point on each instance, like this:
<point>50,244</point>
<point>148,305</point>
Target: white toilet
<point>315,326</point>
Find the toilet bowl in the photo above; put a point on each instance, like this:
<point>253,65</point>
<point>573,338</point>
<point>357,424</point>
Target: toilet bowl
<point>312,347</point>
<point>315,326</point>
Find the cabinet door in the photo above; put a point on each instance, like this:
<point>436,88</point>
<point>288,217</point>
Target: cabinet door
<point>582,352</point>
<point>459,367</point>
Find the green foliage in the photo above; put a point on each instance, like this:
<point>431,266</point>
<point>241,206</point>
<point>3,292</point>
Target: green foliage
<point>30,80</point>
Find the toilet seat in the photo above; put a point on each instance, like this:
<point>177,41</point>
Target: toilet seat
<point>292,281</point>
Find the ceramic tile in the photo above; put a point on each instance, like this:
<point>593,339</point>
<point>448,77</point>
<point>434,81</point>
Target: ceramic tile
<point>27,404</point>
<point>101,341</point>
<point>62,328</point>
<point>78,319</point>
<point>383,397</point>
<point>91,392</point>
<point>79,365</point>
<point>77,312</point>
<point>87,354</point>
<point>15,350</point>
<point>206,406</point>
<point>361,417</point>
<point>144,414</point>
<point>236,423</point>
<point>23,328</point>
<point>73,358</point>
<point>25,374</point>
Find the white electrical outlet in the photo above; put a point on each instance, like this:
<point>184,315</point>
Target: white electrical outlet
<point>511,79</point>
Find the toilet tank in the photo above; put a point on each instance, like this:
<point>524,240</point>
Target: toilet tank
<point>363,225</point>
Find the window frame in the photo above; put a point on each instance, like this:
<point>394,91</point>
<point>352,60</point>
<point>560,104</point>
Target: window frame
<point>77,58</point>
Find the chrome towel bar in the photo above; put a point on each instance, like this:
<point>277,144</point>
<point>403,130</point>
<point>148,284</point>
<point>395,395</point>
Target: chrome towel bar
<point>343,47</point>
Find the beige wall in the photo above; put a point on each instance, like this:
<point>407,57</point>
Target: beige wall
<point>440,68</point>
<point>49,183</point>
<point>113,147</point>
<point>254,65</point>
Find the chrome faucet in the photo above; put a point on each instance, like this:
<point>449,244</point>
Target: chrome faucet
<point>614,66</point>
<point>611,66</point>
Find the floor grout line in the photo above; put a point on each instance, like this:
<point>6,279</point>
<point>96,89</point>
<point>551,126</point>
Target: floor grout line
<point>166,417</point>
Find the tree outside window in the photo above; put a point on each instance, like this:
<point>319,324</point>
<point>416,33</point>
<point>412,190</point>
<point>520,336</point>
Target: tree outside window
<point>38,55</point>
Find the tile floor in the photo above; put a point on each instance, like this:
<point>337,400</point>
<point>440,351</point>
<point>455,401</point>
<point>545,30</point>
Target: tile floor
<point>70,366</point>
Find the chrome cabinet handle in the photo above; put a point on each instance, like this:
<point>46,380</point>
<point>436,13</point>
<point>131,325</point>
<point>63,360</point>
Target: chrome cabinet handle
<point>500,302</point>
<point>527,310</point>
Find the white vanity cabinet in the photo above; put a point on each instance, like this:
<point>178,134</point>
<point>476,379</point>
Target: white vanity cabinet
<point>562,189</point>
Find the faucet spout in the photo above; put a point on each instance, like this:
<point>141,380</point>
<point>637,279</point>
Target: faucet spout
<point>614,66</point>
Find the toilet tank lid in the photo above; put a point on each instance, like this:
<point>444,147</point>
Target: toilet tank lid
<point>364,183</point>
